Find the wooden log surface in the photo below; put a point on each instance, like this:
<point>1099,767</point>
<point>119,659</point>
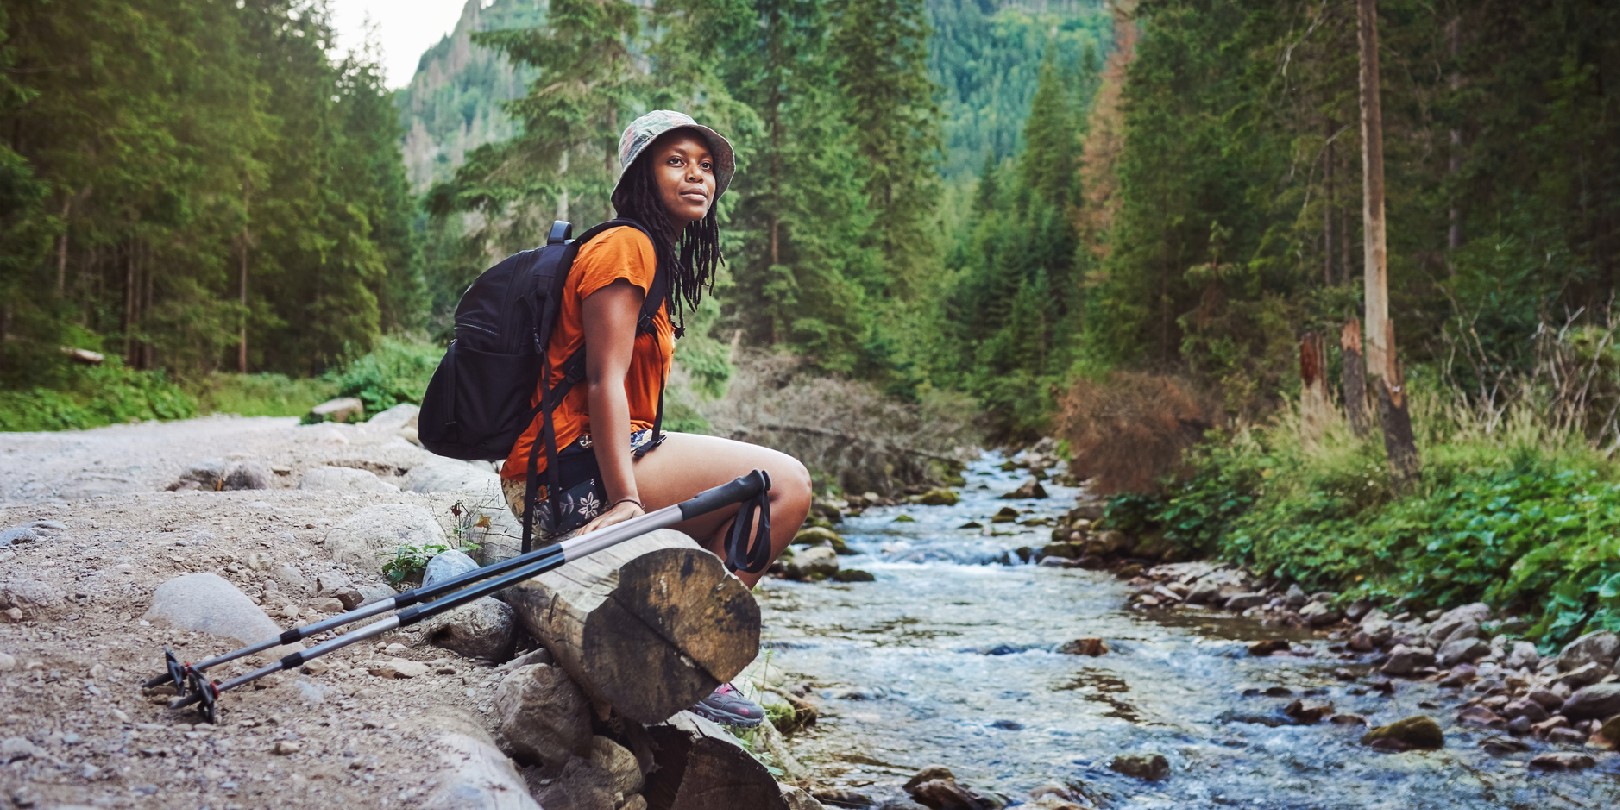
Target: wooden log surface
<point>648,626</point>
<point>702,767</point>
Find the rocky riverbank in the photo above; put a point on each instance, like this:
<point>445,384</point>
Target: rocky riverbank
<point>205,535</point>
<point>1502,683</point>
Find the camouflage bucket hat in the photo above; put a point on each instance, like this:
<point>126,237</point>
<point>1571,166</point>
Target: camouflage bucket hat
<point>646,129</point>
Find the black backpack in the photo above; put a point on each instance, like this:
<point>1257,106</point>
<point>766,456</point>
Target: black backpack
<point>477,403</point>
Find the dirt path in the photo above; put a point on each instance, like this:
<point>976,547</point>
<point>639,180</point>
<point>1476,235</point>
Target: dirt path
<point>75,727</point>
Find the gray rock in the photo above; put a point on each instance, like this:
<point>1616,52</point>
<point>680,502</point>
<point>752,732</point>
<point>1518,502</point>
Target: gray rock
<point>1522,656</point>
<point>17,535</point>
<point>290,578</point>
<point>809,563</point>
<point>1549,699</point>
<point>1151,767</point>
<point>1295,598</point>
<point>15,748</point>
<point>1404,660</point>
<point>1466,630</point>
<point>447,565</point>
<point>446,475</point>
<point>1592,648</point>
<point>343,479</point>
<point>30,597</point>
<point>1449,621</point>
<point>483,628</point>
<point>8,662</point>
<point>395,418</point>
<point>1462,651</point>
<point>248,475</point>
<point>1378,628</point>
<point>207,603</point>
<point>1317,614</point>
<point>1592,702</point>
<point>1563,761</point>
<point>208,476</point>
<point>541,716</point>
<point>1585,675</point>
<point>477,776</point>
<point>372,536</point>
<point>1244,601</point>
<point>1527,709</point>
<point>342,409</point>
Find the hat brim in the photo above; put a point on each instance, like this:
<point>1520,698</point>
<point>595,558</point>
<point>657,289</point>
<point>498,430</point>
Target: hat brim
<point>725,159</point>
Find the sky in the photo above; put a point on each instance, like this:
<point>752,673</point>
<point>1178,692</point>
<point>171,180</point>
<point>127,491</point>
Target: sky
<point>405,28</point>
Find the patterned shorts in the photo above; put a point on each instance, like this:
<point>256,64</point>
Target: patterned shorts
<point>583,496</point>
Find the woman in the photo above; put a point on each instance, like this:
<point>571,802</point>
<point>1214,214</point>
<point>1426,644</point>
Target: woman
<point>672,170</point>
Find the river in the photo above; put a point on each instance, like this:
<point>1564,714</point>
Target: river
<point>950,658</point>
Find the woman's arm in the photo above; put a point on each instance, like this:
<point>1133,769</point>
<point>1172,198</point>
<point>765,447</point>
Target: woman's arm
<point>610,316</point>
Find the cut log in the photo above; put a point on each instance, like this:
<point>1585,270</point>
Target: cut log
<point>701,767</point>
<point>648,626</point>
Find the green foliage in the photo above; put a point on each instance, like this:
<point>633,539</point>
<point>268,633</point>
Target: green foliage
<point>1529,527</point>
<point>93,396</point>
<point>396,372</point>
<point>260,394</point>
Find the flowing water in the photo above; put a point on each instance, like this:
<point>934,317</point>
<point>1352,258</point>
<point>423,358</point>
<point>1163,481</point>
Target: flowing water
<point>949,658</point>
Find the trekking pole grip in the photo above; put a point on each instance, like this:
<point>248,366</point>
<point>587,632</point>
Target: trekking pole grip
<point>752,485</point>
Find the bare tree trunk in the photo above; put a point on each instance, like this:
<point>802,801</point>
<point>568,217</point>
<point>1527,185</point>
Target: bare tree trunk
<point>1353,376</point>
<point>1375,246</point>
<point>1399,443</point>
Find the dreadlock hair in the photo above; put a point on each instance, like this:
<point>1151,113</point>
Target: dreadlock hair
<point>689,256</point>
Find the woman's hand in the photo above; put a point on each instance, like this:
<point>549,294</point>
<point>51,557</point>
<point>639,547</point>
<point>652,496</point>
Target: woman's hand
<point>622,511</point>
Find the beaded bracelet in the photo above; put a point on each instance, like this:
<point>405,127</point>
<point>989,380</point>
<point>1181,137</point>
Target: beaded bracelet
<point>626,500</point>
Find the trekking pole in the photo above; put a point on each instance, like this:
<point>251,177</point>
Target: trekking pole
<point>489,579</point>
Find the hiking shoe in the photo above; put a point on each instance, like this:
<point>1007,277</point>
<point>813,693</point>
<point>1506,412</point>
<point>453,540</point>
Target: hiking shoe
<point>727,705</point>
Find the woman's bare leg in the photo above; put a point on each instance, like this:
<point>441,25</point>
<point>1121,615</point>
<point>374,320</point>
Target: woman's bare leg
<point>686,464</point>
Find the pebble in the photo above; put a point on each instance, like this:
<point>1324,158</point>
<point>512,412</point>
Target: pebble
<point>15,748</point>
<point>8,662</point>
<point>285,747</point>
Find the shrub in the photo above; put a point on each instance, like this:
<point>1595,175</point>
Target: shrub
<point>1514,513</point>
<point>396,371</point>
<point>260,394</point>
<point>1127,432</point>
<point>92,396</point>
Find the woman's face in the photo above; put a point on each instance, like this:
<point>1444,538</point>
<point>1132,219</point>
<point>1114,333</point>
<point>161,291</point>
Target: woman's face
<point>685,176</point>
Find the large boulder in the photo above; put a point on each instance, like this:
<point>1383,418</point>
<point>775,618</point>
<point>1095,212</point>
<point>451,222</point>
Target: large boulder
<point>373,535</point>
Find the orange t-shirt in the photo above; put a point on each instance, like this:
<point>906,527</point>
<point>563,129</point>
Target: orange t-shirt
<point>617,253</point>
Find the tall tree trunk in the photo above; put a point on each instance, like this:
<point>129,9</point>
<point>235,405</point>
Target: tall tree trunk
<point>62,250</point>
<point>1375,248</point>
<point>1381,366</point>
<point>242,285</point>
<point>1454,160</point>
<point>1327,205</point>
